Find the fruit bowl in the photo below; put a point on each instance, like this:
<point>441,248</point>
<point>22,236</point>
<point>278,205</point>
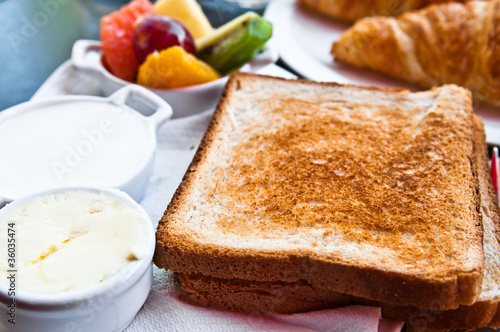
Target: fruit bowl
<point>106,142</point>
<point>184,101</point>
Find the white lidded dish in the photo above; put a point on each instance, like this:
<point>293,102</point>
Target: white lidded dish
<point>184,101</point>
<point>109,305</point>
<point>80,141</point>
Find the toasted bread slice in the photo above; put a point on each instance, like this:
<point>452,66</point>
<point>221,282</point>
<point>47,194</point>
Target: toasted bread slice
<point>255,297</point>
<point>248,299</point>
<point>241,295</point>
<point>364,191</point>
<point>485,311</point>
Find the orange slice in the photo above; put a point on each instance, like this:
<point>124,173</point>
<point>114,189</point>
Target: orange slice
<point>174,68</point>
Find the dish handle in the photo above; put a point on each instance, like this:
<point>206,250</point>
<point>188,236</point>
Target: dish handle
<point>147,103</point>
<point>80,55</point>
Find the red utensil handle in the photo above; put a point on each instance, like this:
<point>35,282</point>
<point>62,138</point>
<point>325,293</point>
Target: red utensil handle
<point>495,169</point>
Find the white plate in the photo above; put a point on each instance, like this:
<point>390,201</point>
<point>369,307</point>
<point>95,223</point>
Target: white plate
<point>304,41</point>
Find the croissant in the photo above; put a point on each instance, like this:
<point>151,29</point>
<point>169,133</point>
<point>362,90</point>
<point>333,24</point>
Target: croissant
<point>351,10</point>
<point>445,43</point>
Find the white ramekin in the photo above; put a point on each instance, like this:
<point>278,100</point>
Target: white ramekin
<point>184,101</point>
<point>108,306</point>
<point>154,109</point>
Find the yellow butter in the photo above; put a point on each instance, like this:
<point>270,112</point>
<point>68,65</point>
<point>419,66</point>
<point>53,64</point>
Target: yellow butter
<point>71,240</point>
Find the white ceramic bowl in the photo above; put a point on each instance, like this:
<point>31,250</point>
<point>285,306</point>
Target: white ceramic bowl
<point>146,112</point>
<point>184,101</point>
<point>108,306</point>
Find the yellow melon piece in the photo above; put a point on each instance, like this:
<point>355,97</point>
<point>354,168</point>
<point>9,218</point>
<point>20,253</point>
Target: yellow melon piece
<point>224,30</point>
<point>188,12</point>
<point>174,68</point>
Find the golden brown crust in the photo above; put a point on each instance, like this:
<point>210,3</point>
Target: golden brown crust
<point>444,43</point>
<point>351,10</point>
<point>262,297</point>
<point>485,311</point>
<point>348,280</point>
<point>255,297</point>
<point>181,250</point>
<point>495,322</point>
<point>491,207</point>
<point>444,33</point>
<point>258,297</point>
<point>487,83</point>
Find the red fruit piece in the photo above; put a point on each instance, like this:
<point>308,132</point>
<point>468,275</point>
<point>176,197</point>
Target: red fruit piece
<point>116,38</point>
<point>158,32</point>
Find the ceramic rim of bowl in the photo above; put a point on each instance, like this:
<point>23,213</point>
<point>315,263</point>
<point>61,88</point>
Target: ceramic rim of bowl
<point>112,286</point>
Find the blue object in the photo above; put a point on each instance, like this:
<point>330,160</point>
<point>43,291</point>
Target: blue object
<point>219,12</point>
<point>36,37</point>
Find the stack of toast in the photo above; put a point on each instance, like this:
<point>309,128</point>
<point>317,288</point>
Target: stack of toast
<point>305,195</point>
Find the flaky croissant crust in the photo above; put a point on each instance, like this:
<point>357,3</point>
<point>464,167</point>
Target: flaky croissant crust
<point>351,10</point>
<point>446,43</point>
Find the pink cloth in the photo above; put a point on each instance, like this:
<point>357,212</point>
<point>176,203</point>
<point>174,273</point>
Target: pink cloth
<point>350,318</point>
